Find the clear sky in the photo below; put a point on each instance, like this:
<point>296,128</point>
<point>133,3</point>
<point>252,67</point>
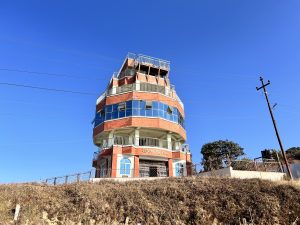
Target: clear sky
<point>217,49</point>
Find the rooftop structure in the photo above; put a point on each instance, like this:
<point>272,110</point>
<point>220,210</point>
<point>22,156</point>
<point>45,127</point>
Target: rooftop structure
<point>139,123</point>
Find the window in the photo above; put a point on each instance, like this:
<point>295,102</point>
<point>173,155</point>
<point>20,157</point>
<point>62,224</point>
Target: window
<point>122,106</point>
<point>170,109</point>
<point>179,169</point>
<point>125,166</point>
<point>102,113</point>
<point>148,105</point>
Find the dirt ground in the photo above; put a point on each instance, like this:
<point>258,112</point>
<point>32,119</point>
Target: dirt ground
<point>166,201</point>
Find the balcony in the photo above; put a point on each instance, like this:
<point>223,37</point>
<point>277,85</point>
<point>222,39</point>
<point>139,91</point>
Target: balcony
<point>140,142</point>
<point>143,87</point>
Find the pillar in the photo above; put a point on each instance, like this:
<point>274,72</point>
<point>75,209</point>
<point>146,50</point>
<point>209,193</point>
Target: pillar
<point>170,166</point>
<point>136,136</point>
<point>169,140</point>
<point>110,138</point>
<point>136,166</point>
<point>114,165</point>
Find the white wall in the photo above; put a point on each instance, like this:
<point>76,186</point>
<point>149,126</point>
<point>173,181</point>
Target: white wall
<point>244,174</point>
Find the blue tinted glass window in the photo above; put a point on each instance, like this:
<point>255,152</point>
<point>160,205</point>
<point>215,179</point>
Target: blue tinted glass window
<point>129,105</point>
<point>115,115</point>
<point>161,106</point>
<point>135,112</point>
<point>135,104</point>
<point>161,113</point>
<point>142,104</point>
<point>155,113</point>
<point>108,116</point>
<point>149,112</point>
<point>128,112</point>
<point>108,108</point>
<point>121,114</point>
<point>142,112</point>
<point>155,105</point>
<point>115,107</point>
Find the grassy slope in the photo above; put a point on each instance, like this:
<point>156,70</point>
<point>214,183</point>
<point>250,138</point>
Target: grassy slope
<point>168,201</point>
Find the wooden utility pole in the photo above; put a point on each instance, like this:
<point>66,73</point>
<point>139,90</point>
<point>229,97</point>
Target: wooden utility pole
<point>275,127</point>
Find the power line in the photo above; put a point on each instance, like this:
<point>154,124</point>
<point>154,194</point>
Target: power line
<point>51,74</point>
<point>47,89</point>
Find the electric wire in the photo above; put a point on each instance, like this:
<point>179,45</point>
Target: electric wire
<point>47,89</point>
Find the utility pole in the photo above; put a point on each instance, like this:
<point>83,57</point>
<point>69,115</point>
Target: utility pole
<point>275,127</point>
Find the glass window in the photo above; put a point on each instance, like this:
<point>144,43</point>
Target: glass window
<point>135,112</point>
<point>142,104</point>
<point>170,109</point>
<point>148,112</point>
<point>155,105</point>
<point>108,116</point>
<point>155,112</point>
<point>142,112</point>
<point>179,169</point>
<point>129,105</point>
<point>125,166</point>
<point>122,106</point>
<point>135,104</point>
<point>122,114</point>
<point>115,115</point>
<point>128,112</point>
<point>108,108</point>
<point>115,107</point>
<point>148,105</point>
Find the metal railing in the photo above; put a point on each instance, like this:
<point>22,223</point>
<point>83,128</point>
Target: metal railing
<point>70,178</point>
<point>144,59</point>
<point>144,87</point>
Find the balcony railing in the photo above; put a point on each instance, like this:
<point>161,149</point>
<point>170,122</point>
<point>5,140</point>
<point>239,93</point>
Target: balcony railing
<point>141,141</point>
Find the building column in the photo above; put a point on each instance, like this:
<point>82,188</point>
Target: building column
<point>111,138</point>
<point>170,166</point>
<point>136,136</point>
<point>114,165</point>
<point>169,140</point>
<point>136,166</point>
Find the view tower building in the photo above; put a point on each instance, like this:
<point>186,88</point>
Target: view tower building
<point>139,123</point>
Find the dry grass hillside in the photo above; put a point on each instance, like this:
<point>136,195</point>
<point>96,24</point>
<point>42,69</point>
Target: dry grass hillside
<point>168,201</point>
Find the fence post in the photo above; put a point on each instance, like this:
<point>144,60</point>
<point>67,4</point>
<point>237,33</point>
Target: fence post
<point>255,166</point>
<point>54,182</point>
<point>78,177</point>
<point>90,174</point>
<point>66,179</point>
<point>46,181</point>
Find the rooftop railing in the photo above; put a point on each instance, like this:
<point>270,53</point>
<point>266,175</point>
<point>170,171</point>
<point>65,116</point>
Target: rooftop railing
<point>144,59</point>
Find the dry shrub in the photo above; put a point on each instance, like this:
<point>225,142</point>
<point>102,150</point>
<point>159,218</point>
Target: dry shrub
<point>164,201</point>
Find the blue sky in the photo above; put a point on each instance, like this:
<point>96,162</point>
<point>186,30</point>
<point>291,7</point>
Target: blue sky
<point>217,49</point>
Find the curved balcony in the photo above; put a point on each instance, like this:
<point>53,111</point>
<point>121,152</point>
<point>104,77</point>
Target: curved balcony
<point>142,87</point>
<point>140,142</point>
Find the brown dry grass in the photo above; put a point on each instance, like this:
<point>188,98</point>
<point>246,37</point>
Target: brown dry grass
<point>168,201</point>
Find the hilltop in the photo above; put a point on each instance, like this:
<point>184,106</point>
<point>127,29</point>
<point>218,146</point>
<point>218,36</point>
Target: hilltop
<point>167,201</point>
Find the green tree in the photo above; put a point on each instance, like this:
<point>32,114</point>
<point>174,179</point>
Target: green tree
<point>293,153</point>
<point>216,154</point>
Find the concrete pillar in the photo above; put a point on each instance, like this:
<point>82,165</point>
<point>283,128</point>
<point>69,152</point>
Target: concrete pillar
<point>136,166</point>
<point>169,140</point>
<point>136,136</point>
<point>170,166</point>
<point>110,138</point>
<point>114,165</point>
<point>137,85</point>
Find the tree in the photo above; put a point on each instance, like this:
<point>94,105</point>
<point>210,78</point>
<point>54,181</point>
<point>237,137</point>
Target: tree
<point>293,153</point>
<point>217,153</point>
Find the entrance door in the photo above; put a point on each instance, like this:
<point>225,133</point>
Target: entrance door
<point>153,171</point>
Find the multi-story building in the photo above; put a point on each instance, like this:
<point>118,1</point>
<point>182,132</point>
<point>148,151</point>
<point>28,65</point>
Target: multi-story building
<point>139,123</point>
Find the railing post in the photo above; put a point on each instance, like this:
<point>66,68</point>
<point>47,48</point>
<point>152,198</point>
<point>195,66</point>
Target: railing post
<point>78,177</point>
<point>66,179</point>
<point>54,182</point>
